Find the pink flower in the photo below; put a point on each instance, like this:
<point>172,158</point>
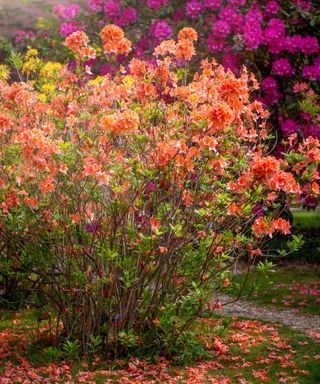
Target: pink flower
<point>157,4</point>
<point>289,126</point>
<point>272,8</point>
<point>178,15</point>
<point>95,5</point>
<point>193,9</point>
<point>293,43</point>
<point>271,92</point>
<point>67,13</point>
<point>67,28</point>
<point>214,44</point>
<point>20,36</point>
<point>128,16</point>
<point>311,72</point>
<point>160,30</point>
<point>230,15</point>
<point>236,3</point>
<point>231,61</point>
<point>111,9</point>
<point>221,29</point>
<point>309,45</point>
<point>252,35</point>
<point>212,4</point>
<point>282,67</point>
<point>304,5</point>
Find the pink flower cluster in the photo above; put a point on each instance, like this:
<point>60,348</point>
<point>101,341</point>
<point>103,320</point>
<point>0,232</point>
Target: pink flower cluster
<point>122,16</point>
<point>67,13</point>
<point>312,72</point>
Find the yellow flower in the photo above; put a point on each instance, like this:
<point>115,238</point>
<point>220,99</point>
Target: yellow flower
<point>98,80</point>
<point>48,88</point>
<point>40,23</point>
<point>50,69</point>
<point>128,80</point>
<point>31,61</point>
<point>31,52</point>
<point>4,72</point>
<point>42,97</point>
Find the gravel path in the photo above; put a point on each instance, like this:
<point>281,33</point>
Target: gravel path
<point>22,14</point>
<point>288,317</point>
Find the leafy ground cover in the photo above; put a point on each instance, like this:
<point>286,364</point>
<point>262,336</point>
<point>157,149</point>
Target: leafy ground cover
<point>235,351</point>
<point>291,286</point>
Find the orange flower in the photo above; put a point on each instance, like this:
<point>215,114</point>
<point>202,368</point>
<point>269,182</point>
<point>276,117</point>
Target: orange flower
<point>165,47</point>
<point>155,223</point>
<point>315,188</point>
<point>124,47</point>
<point>127,121</point>
<point>281,225</point>
<point>88,52</point>
<point>220,116</point>
<point>76,41</point>
<point>184,50</point>
<point>163,250</point>
<point>265,167</point>
<point>111,34</point>
<point>47,185</point>
<point>31,203</point>
<point>234,209</point>
<point>188,34</point>
<point>114,41</point>
<point>137,67</point>
<point>261,227</point>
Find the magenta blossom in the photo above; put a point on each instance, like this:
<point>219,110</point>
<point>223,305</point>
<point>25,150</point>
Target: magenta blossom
<point>236,3</point>
<point>309,45</point>
<point>193,9</point>
<point>95,5</point>
<point>67,28</point>
<point>282,67</point>
<point>112,9</point>
<point>271,92</point>
<point>272,8</point>
<point>128,16</point>
<point>252,35</point>
<point>157,4</point>
<point>289,126</point>
<point>67,13</point>
<point>212,4</point>
<point>20,36</point>
<point>221,29</point>
<point>160,30</point>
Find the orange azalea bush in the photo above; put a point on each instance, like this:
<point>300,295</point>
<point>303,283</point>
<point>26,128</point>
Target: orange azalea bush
<point>128,198</point>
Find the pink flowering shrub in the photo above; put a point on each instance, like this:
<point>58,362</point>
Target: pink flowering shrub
<point>127,198</point>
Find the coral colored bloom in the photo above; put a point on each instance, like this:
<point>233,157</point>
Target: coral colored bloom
<point>283,226</point>
<point>184,50</point>
<point>114,41</point>
<point>76,40</point>
<point>188,34</point>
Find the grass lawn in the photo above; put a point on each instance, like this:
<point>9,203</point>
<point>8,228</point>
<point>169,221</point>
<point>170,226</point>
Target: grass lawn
<point>291,286</point>
<point>237,351</point>
<point>306,219</point>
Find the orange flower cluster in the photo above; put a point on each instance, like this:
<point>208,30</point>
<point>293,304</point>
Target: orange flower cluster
<point>262,227</point>
<point>184,49</point>
<point>78,43</point>
<point>114,41</point>
<point>120,122</point>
